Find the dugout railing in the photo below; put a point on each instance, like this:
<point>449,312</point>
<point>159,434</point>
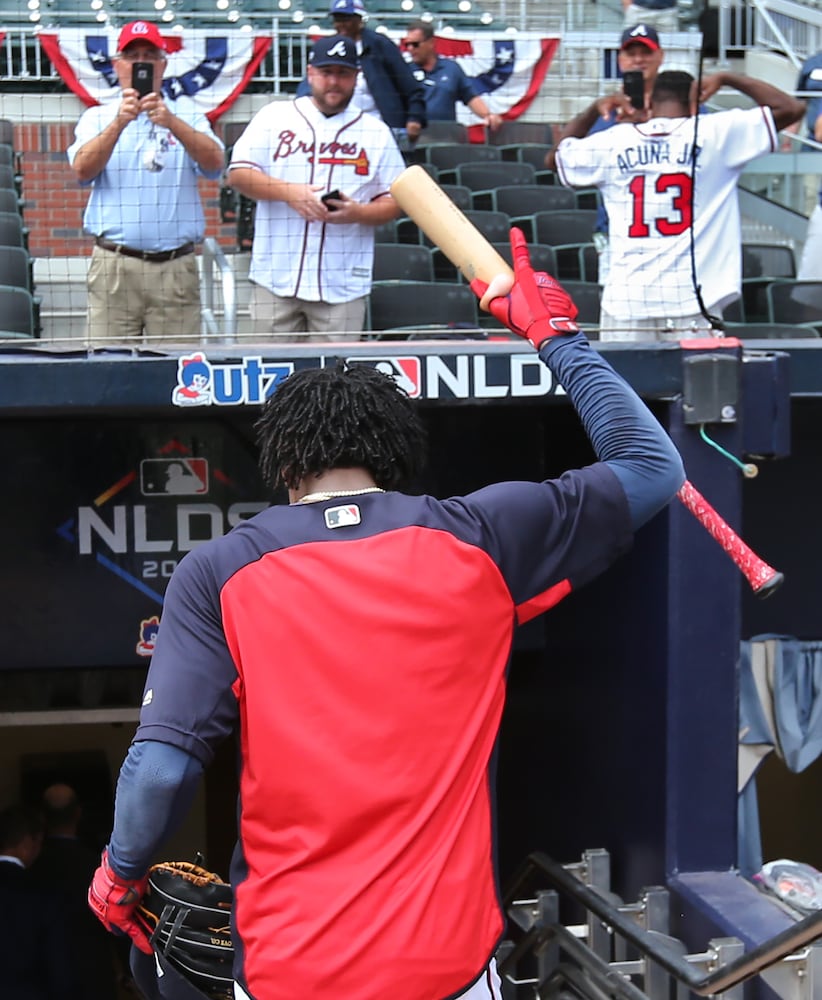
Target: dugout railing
<point>627,952</point>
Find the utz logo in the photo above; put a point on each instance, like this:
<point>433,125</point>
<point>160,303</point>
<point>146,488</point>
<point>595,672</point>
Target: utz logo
<point>406,372</point>
<point>342,517</point>
<point>148,636</point>
<point>201,382</point>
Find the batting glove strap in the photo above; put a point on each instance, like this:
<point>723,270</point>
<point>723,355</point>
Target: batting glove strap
<point>113,900</point>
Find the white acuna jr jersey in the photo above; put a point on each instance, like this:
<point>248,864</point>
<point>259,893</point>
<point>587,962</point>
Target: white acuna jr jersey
<point>654,196</point>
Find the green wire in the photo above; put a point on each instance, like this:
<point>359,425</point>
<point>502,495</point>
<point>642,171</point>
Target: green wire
<point>748,469</point>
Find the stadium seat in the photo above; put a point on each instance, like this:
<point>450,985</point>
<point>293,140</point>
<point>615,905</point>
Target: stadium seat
<point>402,262</point>
<point>421,303</point>
<point>6,132</point>
<point>443,132</point>
<point>770,331</point>
<point>521,200</point>
<point>577,261</point>
<point>586,296</point>
<point>459,194</point>
<point>386,232</point>
<point>587,198</point>
<point>447,156</point>
<point>518,133</point>
<point>563,226</point>
<point>543,257</point>
<point>535,155</point>
<point>483,176</point>
<point>17,270</point>
<point>16,313</point>
<point>793,301</point>
<point>761,263</point>
<point>12,233</point>
<point>768,260</point>
<point>494,226</point>
<point>9,202</point>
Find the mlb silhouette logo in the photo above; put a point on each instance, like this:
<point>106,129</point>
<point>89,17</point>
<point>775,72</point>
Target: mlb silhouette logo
<point>406,372</point>
<point>342,517</point>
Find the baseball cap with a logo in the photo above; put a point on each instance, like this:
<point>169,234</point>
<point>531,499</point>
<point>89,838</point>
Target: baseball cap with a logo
<point>347,7</point>
<point>140,31</point>
<point>335,51</point>
<point>644,34</point>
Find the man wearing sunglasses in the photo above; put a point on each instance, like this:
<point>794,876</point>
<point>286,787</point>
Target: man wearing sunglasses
<point>444,80</point>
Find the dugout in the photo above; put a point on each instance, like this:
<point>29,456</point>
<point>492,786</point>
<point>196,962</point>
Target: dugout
<point>621,727</point>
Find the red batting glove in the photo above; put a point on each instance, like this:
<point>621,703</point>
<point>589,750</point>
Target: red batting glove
<point>114,899</point>
<point>537,307</point>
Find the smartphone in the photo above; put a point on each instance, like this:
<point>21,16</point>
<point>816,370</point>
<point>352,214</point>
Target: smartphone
<point>142,78</point>
<point>634,88</point>
<point>326,197</point>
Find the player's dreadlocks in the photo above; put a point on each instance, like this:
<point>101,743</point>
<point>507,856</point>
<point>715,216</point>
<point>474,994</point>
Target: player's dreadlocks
<point>335,418</point>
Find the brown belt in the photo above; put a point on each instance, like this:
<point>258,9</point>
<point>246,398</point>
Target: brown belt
<point>152,258</point>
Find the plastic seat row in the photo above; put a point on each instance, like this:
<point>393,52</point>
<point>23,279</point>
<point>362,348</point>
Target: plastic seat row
<point>453,307</point>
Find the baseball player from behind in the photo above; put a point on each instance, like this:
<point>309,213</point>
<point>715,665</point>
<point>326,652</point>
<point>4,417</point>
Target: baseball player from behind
<point>367,688</point>
<point>312,258</point>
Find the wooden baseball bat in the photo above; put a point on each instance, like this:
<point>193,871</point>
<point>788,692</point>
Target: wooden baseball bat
<point>424,201</point>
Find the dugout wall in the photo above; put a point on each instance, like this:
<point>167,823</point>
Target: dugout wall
<point>620,729</point>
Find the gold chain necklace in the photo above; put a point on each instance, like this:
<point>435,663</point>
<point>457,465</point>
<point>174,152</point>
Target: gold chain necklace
<point>330,494</point>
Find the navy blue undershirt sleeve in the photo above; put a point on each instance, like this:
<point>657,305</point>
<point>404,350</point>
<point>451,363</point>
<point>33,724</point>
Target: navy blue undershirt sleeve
<point>623,431</point>
<point>155,789</point>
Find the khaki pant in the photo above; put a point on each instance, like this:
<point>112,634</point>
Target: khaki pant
<point>131,299</point>
<point>275,316</point>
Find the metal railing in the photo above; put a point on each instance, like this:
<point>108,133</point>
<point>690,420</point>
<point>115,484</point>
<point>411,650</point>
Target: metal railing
<point>593,958</point>
<point>219,319</point>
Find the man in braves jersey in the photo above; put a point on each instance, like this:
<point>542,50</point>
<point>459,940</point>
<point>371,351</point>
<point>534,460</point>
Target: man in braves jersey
<point>340,633</point>
<point>311,259</point>
<point>669,187</point>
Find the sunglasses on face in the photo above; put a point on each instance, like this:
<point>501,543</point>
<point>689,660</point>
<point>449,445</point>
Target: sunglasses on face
<point>412,45</point>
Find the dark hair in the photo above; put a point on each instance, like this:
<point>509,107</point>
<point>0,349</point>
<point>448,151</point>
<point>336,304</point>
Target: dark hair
<point>16,822</point>
<point>337,418</point>
<point>424,26</point>
<point>673,85</point>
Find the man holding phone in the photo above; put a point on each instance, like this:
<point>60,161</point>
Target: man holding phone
<point>639,59</point>
<point>142,157</point>
<point>320,170</point>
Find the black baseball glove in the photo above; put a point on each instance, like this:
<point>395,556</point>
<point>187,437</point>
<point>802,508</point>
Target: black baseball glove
<point>186,912</point>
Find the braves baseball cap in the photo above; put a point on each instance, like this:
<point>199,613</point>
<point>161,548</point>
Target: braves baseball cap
<point>645,34</point>
<point>140,31</point>
<point>334,51</point>
<point>347,7</point>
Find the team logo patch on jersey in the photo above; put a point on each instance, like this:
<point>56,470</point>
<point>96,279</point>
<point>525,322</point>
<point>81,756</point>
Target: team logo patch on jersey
<point>342,517</point>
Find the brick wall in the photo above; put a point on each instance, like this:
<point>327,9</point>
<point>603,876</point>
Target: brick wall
<point>54,201</point>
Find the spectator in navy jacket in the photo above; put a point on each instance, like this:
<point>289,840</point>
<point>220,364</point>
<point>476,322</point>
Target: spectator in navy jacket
<point>386,84</point>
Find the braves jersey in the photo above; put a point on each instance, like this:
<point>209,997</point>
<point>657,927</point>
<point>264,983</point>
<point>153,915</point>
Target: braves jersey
<point>363,643</point>
<point>352,152</point>
<point>647,179</point>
